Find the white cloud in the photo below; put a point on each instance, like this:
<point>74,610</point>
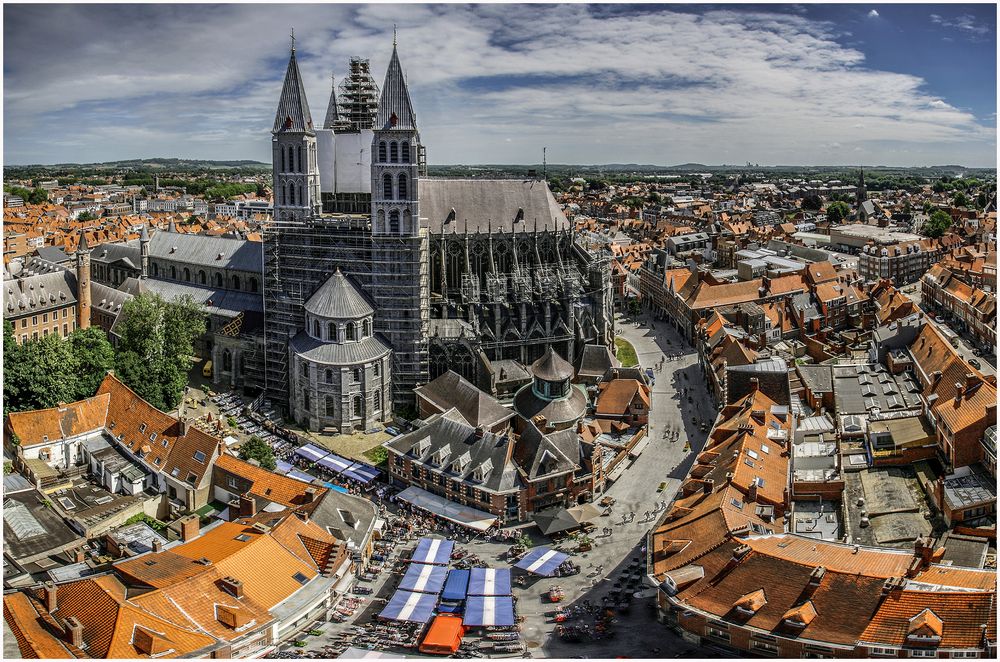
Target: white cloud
<point>966,23</point>
<point>490,83</point>
<point>873,14</point>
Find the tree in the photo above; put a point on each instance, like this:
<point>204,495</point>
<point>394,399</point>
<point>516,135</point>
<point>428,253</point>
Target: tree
<point>94,356</point>
<point>256,448</point>
<point>928,206</point>
<point>39,374</point>
<point>836,212</point>
<point>812,202</point>
<point>960,200</point>
<point>937,225</point>
<point>981,200</point>
<point>634,308</point>
<point>941,187</point>
<point>155,347</point>
<point>86,216</point>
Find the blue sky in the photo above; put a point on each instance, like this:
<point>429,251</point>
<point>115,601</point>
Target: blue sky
<point>665,84</point>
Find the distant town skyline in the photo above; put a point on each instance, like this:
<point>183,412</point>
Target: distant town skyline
<point>896,85</point>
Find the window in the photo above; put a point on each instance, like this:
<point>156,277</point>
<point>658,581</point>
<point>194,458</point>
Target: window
<point>291,194</point>
<point>358,406</point>
<point>717,633</point>
<point>764,647</point>
<point>173,273</point>
<point>65,329</point>
<point>331,331</point>
<point>253,284</point>
<point>156,461</point>
<point>316,329</point>
<point>45,318</point>
<point>218,280</point>
<point>300,578</point>
<point>199,456</point>
<point>298,162</point>
<point>403,192</point>
<point>351,331</point>
<point>765,448</point>
<point>357,374</point>
<point>381,151</point>
<point>192,478</point>
<point>305,370</point>
<point>377,401</point>
<point>386,187</point>
<point>923,653</point>
<point>305,400</point>
<point>375,369</point>
<point>879,650</point>
<point>965,654</point>
<point>394,152</point>
<point>187,274</point>
<point>45,333</point>
<point>236,282</point>
<point>142,427</point>
<point>24,323</point>
<point>394,222</point>
<point>331,406</point>
<point>329,376</point>
<point>366,329</point>
<point>227,360</point>
<point>282,150</point>
<point>404,148</point>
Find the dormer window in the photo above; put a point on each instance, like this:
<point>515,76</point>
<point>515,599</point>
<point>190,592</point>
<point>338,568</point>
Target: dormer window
<point>142,427</point>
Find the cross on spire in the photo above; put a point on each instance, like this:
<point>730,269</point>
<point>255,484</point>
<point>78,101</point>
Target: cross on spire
<point>393,35</point>
<point>293,39</point>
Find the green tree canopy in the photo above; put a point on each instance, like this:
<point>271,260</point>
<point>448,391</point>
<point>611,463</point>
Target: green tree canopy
<point>39,374</point>
<point>156,344</point>
<point>35,196</point>
<point>812,202</point>
<point>836,212</point>
<point>94,356</point>
<point>960,200</point>
<point>256,448</point>
<point>937,225</point>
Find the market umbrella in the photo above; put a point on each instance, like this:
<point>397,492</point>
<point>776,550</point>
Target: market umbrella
<point>584,513</point>
<point>555,520</point>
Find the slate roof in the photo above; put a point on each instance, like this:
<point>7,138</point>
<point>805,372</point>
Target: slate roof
<point>596,360</point>
<point>227,303</point>
<point>348,353</point>
<point>329,513</point>
<point>544,455</point>
<point>293,110</point>
<point>111,253</point>
<point>339,298</point>
<point>477,408</point>
<point>395,102</point>
<point>39,293</point>
<point>570,408</point>
<point>481,204</point>
<point>551,367</point>
<point>209,252</point>
<point>451,432</point>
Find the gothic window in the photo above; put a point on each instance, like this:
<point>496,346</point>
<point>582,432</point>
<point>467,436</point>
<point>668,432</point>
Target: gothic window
<point>330,406</point>
<point>291,194</point>
<point>253,284</point>
<point>201,276</point>
<point>394,222</point>
<point>173,273</point>
<point>381,151</point>
<point>351,331</point>
<point>302,199</point>
<point>305,370</point>
<point>329,377</point>
<point>299,161</point>
<point>236,282</point>
<point>316,329</point>
<point>380,225</point>
<point>282,150</point>
<point>331,330</point>
<point>187,274</point>
<point>404,148</point>
<point>377,397</point>
<point>386,186</point>
<point>403,192</point>
<point>227,361</point>
<point>218,279</point>
<point>358,406</point>
<point>394,152</point>
<point>407,219</point>
<point>357,374</point>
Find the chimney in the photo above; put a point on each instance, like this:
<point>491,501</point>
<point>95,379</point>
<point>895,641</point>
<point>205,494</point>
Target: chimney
<point>923,549</point>
<point>310,495</point>
<point>971,381</point>
<point>115,550</point>
<point>816,576</point>
<point>754,384</point>
<point>74,631</point>
<point>248,507</point>
<point>232,586</point>
<point>707,485</point>
<point>959,391</point>
<point>157,546</point>
<point>182,427</point>
<point>189,525</point>
<point>79,555</point>
<point>51,597</point>
<point>752,492</point>
<point>935,378</point>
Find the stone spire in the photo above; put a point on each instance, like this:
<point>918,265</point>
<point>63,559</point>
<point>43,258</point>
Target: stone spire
<point>293,109</point>
<point>395,110</point>
<point>332,120</point>
<point>862,191</point>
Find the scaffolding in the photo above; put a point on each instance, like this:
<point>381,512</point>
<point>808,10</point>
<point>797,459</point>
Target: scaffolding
<point>358,98</point>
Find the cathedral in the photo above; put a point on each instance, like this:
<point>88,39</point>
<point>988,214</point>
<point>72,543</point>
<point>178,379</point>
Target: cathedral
<point>378,278</point>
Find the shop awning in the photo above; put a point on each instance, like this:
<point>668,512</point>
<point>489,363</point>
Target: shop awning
<point>409,606</point>
<point>444,636</point>
<point>449,510</point>
<point>424,578</point>
<point>490,581</point>
<point>457,586</point>
<point>542,561</point>
<point>486,610</point>
<point>433,550</point>
<point>336,464</point>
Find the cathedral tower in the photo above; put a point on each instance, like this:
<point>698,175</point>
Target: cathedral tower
<point>83,284</point>
<point>294,160</point>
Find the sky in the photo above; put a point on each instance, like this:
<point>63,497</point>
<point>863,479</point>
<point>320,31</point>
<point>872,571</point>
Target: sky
<point>654,84</point>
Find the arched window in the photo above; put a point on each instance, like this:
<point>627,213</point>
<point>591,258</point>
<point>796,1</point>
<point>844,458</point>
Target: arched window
<point>227,361</point>
<point>403,190</point>
<point>376,396</point>
<point>331,331</point>
<point>299,169</point>
<point>187,274</point>
<point>380,223</point>
<point>359,406</point>
<point>329,377</point>
<point>253,284</point>
<point>316,329</point>
<point>394,222</point>
<point>375,369</point>
<point>381,151</point>
<point>331,406</point>
<point>394,152</point>
<point>218,279</point>
<point>305,400</point>
<point>201,276</point>
<point>302,198</point>
<point>173,273</point>
<point>282,150</point>
<point>156,270</point>
<point>404,148</point>
<point>366,328</point>
<point>387,186</point>
<point>357,374</point>
<point>291,194</point>
<point>407,221</point>
<point>236,282</point>
<point>351,331</point>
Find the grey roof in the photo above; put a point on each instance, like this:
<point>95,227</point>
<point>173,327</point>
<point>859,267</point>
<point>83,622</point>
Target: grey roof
<point>31,529</point>
<point>214,252</point>
<point>293,109</point>
<point>860,388</point>
<point>53,254</point>
<point>481,204</point>
<point>596,360</point>
<point>817,378</point>
<point>510,370</point>
<point>339,298</point>
<point>39,293</point>
<point>348,353</point>
<point>395,100</point>
<point>111,253</point>
<point>347,517</point>
<point>332,115</point>
<point>477,408</point>
<point>551,367</point>
<point>561,410</point>
<point>547,454</point>
<point>965,551</point>
<point>219,302</point>
<point>107,299</point>
<point>451,433</point>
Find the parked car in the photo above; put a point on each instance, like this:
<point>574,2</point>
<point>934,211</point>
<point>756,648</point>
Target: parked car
<point>975,364</point>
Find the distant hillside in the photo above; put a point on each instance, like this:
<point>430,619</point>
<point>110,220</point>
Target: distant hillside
<point>154,163</point>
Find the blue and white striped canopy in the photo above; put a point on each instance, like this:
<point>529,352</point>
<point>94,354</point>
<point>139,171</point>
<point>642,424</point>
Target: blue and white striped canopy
<point>410,606</point>
<point>424,578</point>
<point>542,561</point>
<point>485,610</point>
<point>490,581</point>
<point>433,550</point>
